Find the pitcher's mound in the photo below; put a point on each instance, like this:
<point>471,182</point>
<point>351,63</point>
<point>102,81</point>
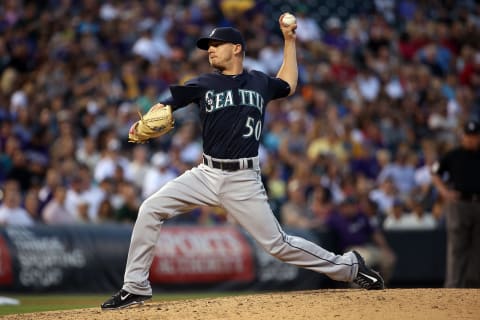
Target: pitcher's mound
<point>349,304</point>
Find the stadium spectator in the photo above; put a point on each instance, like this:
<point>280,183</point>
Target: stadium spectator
<point>332,179</point>
<point>424,188</point>
<point>159,174</point>
<point>384,195</point>
<point>329,143</point>
<point>401,171</point>
<point>56,212</point>
<point>271,56</point>
<point>127,212</point>
<point>87,152</point>
<point>334,36</point>
<point>76,201</point>
<point>138,166</point>
<point>293,146</point>
<point>109,160</point>
<point>106,212</point>
<point>186,141</point>
<point>295,212</point>
<point>148,47</point>
<point>31,203</point>
<point>321,206</point>
<point>308,30</point>
<point>11,211</point>
<point>409,216</point>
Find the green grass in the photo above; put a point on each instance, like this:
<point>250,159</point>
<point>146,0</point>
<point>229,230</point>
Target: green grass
<point>51,302</point>
<point>48,302</point>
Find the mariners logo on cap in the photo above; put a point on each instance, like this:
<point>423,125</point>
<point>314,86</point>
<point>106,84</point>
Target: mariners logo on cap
<point>224,34</point>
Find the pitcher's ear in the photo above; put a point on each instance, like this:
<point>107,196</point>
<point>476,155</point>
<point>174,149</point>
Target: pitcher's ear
<point>238,48</point>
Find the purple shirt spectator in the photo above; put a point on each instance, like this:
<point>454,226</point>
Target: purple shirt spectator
<point>352,228</point>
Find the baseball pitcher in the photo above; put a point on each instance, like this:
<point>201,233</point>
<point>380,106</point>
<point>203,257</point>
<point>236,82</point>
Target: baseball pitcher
<point>232,104</point>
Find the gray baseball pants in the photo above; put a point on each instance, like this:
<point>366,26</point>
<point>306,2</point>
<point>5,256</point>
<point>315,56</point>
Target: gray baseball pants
<point>241,193</point>
<point>463,245</point>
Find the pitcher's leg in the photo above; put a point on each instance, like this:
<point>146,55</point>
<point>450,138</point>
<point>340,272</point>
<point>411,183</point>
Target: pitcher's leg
<point>257,218</point>
<point>140,253</point>
<point>188,191</point>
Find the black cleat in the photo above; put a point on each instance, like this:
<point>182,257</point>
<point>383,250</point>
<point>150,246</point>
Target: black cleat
<point>123,299</point>
<point>366,277</point>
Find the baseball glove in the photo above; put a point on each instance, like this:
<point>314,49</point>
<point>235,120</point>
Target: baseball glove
<point>155,123</point>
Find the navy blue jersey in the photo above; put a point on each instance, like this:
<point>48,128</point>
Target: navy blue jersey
<point>232,109</point>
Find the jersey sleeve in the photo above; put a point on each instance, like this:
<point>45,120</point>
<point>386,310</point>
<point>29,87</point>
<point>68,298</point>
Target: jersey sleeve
<point>182,95</point>
<point>279,88</point>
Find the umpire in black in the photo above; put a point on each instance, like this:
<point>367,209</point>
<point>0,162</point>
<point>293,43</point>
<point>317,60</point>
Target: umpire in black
<point>457,178</point>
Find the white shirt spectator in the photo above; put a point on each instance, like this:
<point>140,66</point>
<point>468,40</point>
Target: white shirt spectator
<point>87,153</point>
<point>15,216</point>
<point>56,213</point>
<point>158,175</point>
<point>18,100</point>
<point>151,48</point>
<point>383,200</point>
<point>192,152</point>
<point>185,139</point>
<point>387,8</point>
<point>423,175</point>
<point>403,176</point>
<point>108,163</point>
<point>307,29</point>
<point>139,166</point>
<point>74,200</point>
<point>94,197</point>
<point>108,11</point>
<point>11,213</point>
<point>271,57</point>
<point>250,63</point>
<point>410,221</point>
<point>369,86</point>
<point>394,89</point>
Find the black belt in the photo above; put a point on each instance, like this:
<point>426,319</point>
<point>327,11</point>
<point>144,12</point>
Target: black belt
<point>470,197</point>
<point>228,165</point>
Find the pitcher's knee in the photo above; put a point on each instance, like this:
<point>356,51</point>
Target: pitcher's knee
<point>150,208</point>
<point>277,248</point>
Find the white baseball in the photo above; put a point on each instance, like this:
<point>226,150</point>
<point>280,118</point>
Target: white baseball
<point>289,19</point>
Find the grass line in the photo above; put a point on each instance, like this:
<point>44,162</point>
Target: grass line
<point>50,302</point>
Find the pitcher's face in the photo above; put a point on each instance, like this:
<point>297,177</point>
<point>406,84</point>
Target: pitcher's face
<point>220,54</point>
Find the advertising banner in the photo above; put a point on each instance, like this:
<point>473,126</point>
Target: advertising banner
<point>62,258</point>
<point>6,276</point>
<point>202,255</point>
<point>91,258</point>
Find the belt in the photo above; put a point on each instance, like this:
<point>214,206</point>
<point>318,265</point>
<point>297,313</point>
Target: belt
<point>228,165</point>
<point>471,197</point>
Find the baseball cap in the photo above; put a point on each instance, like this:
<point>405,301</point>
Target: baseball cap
<point>471,127</point>
<point>225,34</point>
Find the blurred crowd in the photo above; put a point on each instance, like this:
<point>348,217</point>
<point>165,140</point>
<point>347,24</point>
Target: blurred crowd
<point>382,95</point>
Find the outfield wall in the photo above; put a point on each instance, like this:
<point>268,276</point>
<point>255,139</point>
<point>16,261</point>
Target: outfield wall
<point>219,258</point>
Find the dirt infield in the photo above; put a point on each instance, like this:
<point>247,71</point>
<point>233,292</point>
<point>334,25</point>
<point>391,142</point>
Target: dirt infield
<point>348,304</point>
